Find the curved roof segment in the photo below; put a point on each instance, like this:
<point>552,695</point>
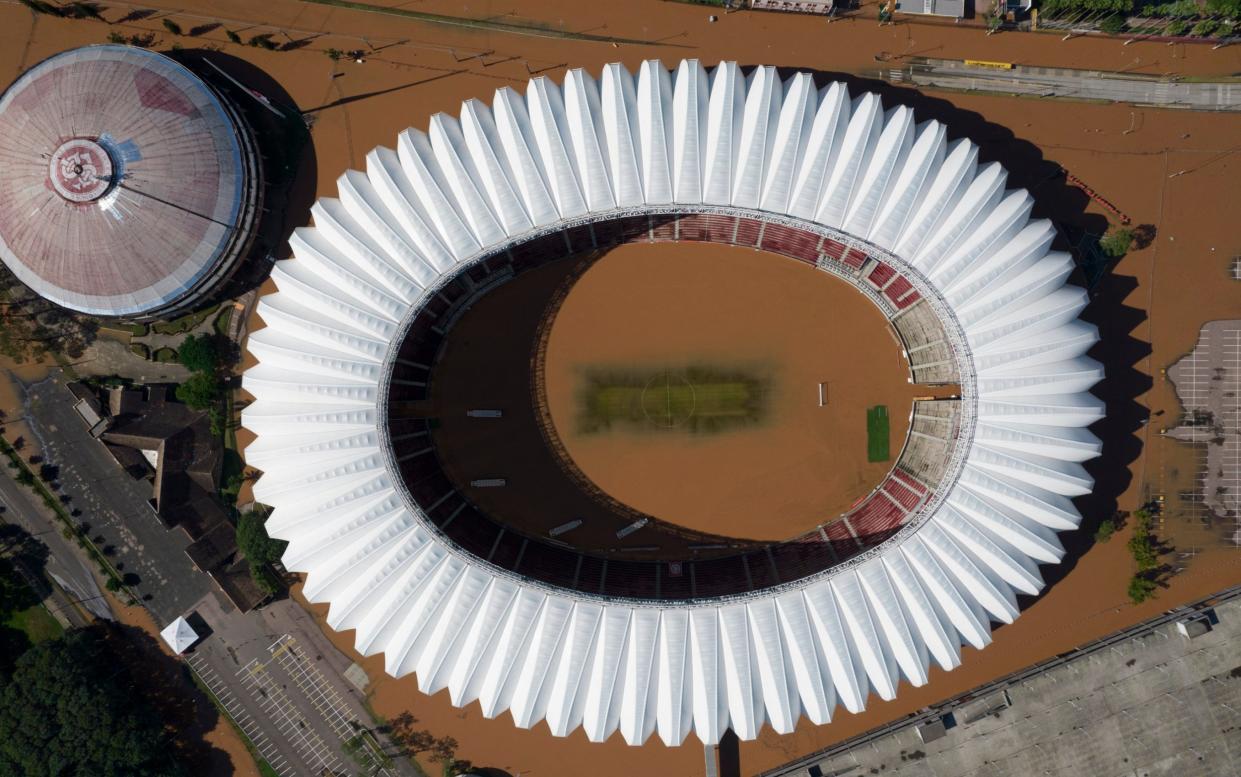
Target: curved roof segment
<point>874,183</point>
<point>126,183</point>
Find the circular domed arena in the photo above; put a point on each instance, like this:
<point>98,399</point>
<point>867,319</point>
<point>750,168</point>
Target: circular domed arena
<point>131,187</point>
<point>684,400</point>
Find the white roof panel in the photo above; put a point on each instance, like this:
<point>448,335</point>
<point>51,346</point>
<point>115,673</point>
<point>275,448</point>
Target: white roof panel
<point>754,147</point>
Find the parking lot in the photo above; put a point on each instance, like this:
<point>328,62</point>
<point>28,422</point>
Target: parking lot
<point>296,717</point>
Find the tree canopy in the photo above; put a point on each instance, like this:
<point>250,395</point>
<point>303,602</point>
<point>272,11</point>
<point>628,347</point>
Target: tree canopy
<point>199,353</point>
<point>260,549</point>
<point>63,711</point>
<point>199,391</point>
<point>15,595</point>
<point>31,327</point>
<point>1117,242</point>
<point>253,540</point>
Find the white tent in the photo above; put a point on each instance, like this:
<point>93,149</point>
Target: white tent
<point>179,635</point>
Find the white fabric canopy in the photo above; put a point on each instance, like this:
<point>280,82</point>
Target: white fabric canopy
<point>179,635</point>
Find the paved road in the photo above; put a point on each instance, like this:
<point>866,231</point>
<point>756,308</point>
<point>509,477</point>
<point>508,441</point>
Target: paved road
<point>115,505</point>
<point>273,669</point>
<point>1144,702</point>
<point>65,563</point>
<point>282,682</point>
<point>1135,89</point>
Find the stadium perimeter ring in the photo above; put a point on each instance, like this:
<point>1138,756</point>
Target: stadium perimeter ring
<point>892,206</point>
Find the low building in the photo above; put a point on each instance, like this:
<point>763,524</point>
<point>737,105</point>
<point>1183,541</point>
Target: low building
<point>171,445</point>
<point>952,8</point>
<point>795,6</point>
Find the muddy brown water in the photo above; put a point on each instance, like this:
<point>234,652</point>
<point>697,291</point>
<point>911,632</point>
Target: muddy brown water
<point>689,304</point>
<point>1150,307</point>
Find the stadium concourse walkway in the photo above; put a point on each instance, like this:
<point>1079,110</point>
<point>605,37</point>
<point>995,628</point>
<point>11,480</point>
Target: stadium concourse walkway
<point>1160,698</point>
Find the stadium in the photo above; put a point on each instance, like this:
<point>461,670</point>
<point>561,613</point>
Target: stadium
<point>443,370</point>
<point>131,187</point>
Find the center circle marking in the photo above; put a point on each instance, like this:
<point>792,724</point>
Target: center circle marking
<point>657,406</point>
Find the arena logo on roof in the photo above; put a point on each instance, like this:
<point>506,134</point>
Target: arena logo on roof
<point>880,187</point>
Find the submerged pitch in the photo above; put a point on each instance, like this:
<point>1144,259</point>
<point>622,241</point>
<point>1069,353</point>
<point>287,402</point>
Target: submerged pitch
<point>694,400</point>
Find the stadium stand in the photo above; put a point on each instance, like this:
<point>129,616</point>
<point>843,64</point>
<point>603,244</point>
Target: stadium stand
<point>876,517</point>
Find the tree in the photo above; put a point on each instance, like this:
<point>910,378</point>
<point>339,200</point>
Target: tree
<point>1105,531</point>
<point>200,353</point>
<point>200,391</point>
<point>172,27</point>
<point>253,540</point>
<point>15,595</point>
<point>1141,588</point>
<point>232,36</point>
<point>31,327</point>
<point>1228,8</point>
<point>1117,242</point>
<point>1112,24</point>
<point>63,711</point>
<point>39,6</point>
<point>260,550</point>
<point>263,41</point>
<point>1205,28</point>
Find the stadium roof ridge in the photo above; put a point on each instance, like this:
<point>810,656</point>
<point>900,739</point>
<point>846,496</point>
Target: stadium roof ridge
<point>697,140</point>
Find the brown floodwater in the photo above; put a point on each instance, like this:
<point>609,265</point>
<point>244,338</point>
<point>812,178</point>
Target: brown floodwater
<point>650,306</point>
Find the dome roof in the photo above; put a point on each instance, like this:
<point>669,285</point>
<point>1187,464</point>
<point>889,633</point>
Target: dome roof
<point>125,182</point>
<point>911,216</point>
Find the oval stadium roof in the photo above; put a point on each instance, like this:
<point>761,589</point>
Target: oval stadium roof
<point>695,141</point>
<point>125,180</point>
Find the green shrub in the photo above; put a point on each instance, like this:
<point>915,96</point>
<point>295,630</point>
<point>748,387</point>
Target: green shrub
<point>263,41</point>
<point>1105,531</point>
<point>1112,24</point>
<point>1176,28</point>
<point>200,391</point>
<point>1141,588</point>
<point>113,584</point>
<point>1205,28</point>
<point>172,27</point>
<point>1117,242</point>
<point>232,36</point>
<point>199,353</point>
